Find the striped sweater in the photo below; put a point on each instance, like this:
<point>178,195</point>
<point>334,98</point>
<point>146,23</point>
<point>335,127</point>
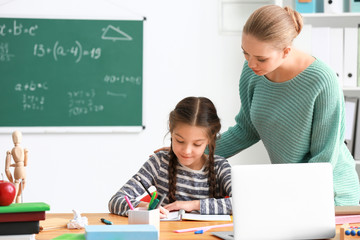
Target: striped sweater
<point>300,120</point>
<point>191,185</point>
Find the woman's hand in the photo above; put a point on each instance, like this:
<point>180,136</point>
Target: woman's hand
<point>188,206</point>
<point>162,149</point>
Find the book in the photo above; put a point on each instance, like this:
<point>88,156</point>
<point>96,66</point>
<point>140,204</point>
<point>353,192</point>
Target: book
<point>18,237</point>
<point>347,210</point>
<point>25,207</point>
<point>22,216</point>
<point>131,231</point>
<point>11,228</point>
<point>71,236</point>
<point>182,215</point>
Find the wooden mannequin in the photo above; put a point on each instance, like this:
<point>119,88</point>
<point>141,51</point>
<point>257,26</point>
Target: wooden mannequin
<point>20,157</point>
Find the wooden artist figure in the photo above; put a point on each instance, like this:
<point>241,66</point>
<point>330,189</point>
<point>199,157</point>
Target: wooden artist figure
<point>20,157</point>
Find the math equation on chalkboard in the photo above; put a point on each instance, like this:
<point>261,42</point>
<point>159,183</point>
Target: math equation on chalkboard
<point>68,72</point>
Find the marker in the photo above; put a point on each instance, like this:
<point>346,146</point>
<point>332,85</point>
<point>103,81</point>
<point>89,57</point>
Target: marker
<point>152,199</point>
<point>129,203</point>
<point>154,204</point>
<point>199,231</point>
<point>139,179</point>
<point>107,222</point>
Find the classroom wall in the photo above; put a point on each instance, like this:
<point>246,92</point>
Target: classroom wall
<point>184,54</point>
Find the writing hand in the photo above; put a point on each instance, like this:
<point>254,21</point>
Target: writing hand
<point>163,212</point>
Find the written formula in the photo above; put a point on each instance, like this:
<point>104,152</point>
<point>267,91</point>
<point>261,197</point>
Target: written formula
<point>17,29</point>
<point>32,98</point>
<point>31,86</point>
<point>33,102</point>
<point>122,79</point>
<point>82,102</point>
<point>57,50</point>
<point>5,55</point>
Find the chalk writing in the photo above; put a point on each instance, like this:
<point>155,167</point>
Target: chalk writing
<point>82,102</point>
<point>114,33</point>
<point>32,86</point>
<point>5,56</point>
<point>17,29</point>
<point>122,79</point>
<point>58,50</point>
<point>33,102</point>
<point>32,99</point>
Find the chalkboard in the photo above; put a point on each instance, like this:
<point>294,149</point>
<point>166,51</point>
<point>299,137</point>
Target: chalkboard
<point>70,72</point>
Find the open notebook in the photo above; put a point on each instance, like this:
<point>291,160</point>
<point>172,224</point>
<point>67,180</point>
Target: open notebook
<point>182,215</point>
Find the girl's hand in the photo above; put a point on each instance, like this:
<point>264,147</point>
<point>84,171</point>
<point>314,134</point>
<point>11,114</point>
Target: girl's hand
<point>163,212</point>
<point>188,206</point>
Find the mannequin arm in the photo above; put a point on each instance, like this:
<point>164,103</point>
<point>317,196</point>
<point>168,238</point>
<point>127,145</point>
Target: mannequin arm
<point>7,166</point>
<point>26,156</point>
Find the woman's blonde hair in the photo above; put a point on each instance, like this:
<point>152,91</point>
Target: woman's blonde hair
<point>272,23</point>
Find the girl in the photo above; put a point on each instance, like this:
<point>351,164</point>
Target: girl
<point>190,179</point>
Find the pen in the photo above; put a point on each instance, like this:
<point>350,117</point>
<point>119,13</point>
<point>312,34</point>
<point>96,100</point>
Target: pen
<point>161,201</point>
<point>129,203</point>
<point>107,222</point>
<point>139,179</point>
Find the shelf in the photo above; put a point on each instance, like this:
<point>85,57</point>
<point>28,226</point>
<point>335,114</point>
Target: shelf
<point>351,88</point>
<point>332,20</point>
<point>332,15</point>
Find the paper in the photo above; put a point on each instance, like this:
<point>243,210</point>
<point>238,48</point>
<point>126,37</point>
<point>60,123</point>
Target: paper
<point>182,215</point>
<point>78,222</point>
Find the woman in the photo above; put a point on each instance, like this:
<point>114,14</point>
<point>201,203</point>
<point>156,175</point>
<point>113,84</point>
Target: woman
<point>291,101</point>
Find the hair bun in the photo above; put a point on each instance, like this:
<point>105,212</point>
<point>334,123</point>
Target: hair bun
<point>296,17</point>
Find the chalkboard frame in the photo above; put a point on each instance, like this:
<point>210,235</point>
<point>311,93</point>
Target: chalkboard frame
<point>78,129</point>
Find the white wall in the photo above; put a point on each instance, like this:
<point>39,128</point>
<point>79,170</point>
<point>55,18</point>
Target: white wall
<point>184,54</point>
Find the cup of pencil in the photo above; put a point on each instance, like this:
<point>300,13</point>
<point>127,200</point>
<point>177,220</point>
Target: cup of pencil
<point>144,216</point>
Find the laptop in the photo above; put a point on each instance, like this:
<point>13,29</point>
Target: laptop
<point>282,201</point>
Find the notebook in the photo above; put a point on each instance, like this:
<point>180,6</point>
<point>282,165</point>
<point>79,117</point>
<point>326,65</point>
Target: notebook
<point>282,201</point>
<point>182,215</point>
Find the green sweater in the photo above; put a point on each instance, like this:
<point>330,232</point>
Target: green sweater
<point>301,120</point>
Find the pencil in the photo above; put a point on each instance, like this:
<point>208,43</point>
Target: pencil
<point>142,184</point>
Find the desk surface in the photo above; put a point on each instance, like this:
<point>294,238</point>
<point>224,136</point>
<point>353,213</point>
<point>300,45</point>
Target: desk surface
<point>166,228</point>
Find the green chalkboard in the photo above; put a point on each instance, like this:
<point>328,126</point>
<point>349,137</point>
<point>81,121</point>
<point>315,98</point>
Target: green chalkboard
<point>66,72</point>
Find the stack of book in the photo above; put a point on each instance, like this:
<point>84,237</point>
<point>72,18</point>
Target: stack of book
<point>21,220</point>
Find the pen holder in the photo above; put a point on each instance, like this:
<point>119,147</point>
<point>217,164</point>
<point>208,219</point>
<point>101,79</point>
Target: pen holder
<point>144,216</point>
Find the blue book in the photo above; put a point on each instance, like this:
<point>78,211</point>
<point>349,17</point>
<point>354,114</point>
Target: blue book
<point>119,232</point>
<point>305,6</point>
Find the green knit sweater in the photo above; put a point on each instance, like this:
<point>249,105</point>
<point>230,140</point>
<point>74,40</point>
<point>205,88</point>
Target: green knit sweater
<point>301,120</point>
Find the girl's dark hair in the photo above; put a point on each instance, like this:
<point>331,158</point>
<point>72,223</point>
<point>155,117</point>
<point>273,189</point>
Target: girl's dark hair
<point>199,112</point>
